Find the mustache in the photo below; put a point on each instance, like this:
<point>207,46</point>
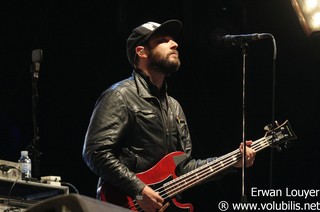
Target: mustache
<point>174,52</point>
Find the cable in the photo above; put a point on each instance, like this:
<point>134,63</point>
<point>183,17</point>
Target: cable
<point>70,185</point>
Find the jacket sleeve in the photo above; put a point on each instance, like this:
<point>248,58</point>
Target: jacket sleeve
<point>107,125</point>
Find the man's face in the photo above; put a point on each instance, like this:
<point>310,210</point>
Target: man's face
<point>163,55</point>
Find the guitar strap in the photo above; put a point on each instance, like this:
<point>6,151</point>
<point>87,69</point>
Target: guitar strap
<point>179,159</point>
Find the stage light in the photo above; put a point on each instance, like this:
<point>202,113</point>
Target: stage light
<point>308,12</point>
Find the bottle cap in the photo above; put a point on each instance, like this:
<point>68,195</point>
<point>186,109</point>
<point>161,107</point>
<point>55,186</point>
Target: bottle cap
<point>24,153</point>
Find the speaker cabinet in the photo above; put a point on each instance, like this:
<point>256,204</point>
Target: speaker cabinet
<point>74,203</point>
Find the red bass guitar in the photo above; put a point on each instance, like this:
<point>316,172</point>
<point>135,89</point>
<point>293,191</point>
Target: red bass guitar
<point>162,177</point>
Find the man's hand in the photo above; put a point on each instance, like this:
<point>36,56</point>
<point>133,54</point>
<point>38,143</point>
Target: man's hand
<point>151,200</point>
<point>250,155</point>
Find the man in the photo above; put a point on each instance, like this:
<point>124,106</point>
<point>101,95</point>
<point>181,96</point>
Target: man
<point>135,123</point>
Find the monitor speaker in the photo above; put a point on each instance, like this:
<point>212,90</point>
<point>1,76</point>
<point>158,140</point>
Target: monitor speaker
<point>74,203</point>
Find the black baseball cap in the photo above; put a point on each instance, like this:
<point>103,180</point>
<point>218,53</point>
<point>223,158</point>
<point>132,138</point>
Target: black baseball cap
<point>142,33</point>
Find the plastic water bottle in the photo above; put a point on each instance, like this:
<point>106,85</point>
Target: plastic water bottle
<point>25,165</point>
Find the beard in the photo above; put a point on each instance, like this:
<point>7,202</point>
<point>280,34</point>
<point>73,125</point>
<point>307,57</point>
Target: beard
<point>164,65</point>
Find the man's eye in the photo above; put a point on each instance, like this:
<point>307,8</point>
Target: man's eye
<point>163,40</point>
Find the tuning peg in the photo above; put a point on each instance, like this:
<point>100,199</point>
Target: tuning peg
<point>268,127</point>
<point>277,123</point>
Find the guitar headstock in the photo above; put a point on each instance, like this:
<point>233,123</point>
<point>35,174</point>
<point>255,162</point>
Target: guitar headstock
<point>280,134</point>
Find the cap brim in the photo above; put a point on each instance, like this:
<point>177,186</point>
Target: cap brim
<point>170,27</point>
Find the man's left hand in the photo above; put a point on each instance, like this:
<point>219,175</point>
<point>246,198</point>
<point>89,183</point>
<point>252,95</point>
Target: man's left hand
<point>250,155</point>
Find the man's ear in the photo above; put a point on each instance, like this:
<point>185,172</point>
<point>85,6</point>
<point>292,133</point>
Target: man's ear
<point>140,50</point>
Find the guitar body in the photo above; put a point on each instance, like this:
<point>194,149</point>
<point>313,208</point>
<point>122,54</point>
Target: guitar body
<point>155,177</point>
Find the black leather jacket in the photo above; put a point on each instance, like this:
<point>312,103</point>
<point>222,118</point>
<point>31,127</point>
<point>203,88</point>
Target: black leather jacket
<point>129,132</point>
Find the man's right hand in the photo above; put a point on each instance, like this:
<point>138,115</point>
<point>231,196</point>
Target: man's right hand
<point>151,200</point>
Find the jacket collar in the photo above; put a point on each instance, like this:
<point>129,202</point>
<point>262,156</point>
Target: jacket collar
<point>146,88</point>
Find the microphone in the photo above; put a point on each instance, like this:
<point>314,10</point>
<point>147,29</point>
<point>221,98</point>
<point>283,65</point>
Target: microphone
<point>37,55</point>
<point>235,40</point>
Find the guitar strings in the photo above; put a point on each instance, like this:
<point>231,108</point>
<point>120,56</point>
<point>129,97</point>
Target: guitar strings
<point>222,163</point>
<point>225,161</point>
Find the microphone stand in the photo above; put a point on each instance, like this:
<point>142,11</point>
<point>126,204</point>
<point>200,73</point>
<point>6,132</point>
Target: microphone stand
<point>244,56</point>
<point>32,148</point>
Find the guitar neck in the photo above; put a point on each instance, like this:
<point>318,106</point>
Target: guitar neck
<point>208,170</point>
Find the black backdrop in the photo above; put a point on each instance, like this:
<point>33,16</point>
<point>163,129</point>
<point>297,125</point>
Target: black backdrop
<point>84,52</point>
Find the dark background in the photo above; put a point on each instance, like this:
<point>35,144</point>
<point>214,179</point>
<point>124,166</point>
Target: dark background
<point>83,45</point>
